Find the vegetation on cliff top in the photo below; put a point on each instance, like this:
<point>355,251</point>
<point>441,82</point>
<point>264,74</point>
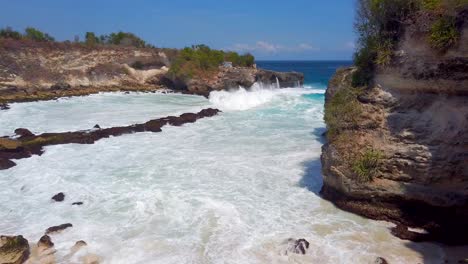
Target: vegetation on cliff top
<point>379,24</point>
<point>200,60</point>
<point>91,39</point>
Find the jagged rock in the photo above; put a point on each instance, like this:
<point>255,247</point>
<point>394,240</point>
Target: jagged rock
<point>97,126</point>
<point>23,133</point>
<point>59,197</point>
<point>13,249</point>
<point>380,260</point>
<point>33,145</point>
<point>298,246</point>
<point>61,86</point>
<point>4,106</point>
<point>45,242</point>
<point>285,79</point>
<point>77,203</point>
<point>6,164</point>
<point>59,228</point>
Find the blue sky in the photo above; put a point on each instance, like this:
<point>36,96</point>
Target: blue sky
<point>294,29</point>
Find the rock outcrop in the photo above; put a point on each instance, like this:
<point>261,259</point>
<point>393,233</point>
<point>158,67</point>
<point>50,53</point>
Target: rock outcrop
<point>233,78</point>
<point>31,71</point>
<point>398,151</point>
<point>25,147</point>
<point>13,249</point>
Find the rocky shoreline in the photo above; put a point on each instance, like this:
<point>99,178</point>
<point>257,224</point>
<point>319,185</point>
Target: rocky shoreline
<point>395,157</point>
<point>27,144</point>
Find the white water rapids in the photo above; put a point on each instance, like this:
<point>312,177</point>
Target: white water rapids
<point>226,189</point>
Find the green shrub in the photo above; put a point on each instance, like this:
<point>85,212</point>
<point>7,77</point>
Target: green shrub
<point>431,4</point>
<point>8,32</point>
<point>91,39</point>
<point>342,111</point>
<point>444,33</point>
<point>37,35</point>
<point>201,59</point>
<point>379,24</point>
<point>367,165</point>
<point>123,39</point>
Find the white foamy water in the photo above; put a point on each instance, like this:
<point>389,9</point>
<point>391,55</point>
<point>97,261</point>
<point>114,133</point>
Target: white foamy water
<point>227,189</point>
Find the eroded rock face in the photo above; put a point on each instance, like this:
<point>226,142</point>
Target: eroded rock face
<point>233,78</point>
<point>422,177</point>
<point>13,249</point>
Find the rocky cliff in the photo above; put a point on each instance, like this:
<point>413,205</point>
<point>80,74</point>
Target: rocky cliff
<point>43,70</point>
<point>398,150</point>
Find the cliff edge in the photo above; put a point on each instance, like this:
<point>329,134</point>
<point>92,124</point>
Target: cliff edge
<point>398,149</point>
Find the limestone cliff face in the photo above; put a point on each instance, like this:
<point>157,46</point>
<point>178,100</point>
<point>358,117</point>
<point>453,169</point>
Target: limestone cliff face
<point>39,71</point>
<point>33,65</point>
<point>403,155</point>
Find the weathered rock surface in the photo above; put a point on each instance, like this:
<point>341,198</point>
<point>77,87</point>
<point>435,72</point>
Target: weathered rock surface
<point>33,145</point>
<point>297,246</point>
<point>233,78</point>
<point>40,71</point>
<point>13,249</point>
<point>56,229</point>
<point>416,116</point>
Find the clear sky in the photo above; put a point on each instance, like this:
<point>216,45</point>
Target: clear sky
<point>270,29</point>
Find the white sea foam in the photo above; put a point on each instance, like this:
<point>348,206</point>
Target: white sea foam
<point>243,99</point>
<point>226,189</point>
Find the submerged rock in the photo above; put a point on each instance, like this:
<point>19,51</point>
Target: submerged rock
<point>59,197</point>
<point>380,260</point>
<point>59,228</point>
<point>13,249</point>
<point>77,203</point>
<point>4,107</point>
<point>74,249</point>
<point>297,246</point>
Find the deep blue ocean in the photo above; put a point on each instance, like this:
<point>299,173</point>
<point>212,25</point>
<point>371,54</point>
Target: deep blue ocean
<point>316,73</point>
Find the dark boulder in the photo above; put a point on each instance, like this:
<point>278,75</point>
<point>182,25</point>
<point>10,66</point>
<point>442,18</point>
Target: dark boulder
<point>23,133</point>
<point>59,197</point>
<point>58,228</point>
<point>77,203</point>
<point>6,164</point>
<point>97,126</point>
<point>45,242</point>
<point>285,79</point>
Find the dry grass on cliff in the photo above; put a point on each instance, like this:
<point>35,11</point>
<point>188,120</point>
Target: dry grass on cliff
<point>342,112</point>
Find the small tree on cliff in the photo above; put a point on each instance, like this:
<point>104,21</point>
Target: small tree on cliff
<point>91,39</point>
<point>37,35</point>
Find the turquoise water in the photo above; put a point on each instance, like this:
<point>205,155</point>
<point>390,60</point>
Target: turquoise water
<point>228,189</point>
<point>316,73</point>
